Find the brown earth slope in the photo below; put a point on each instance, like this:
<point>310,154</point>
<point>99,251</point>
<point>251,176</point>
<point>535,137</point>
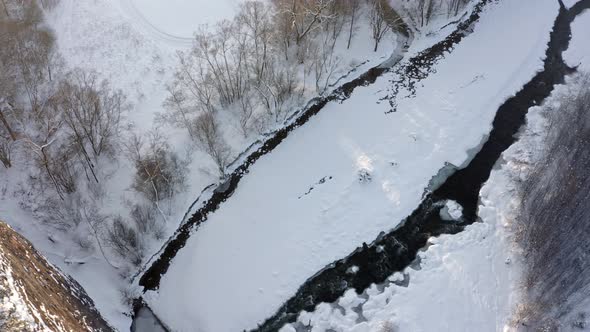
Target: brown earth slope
<point>54,301</point>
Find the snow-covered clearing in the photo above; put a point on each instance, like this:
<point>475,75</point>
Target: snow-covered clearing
<point>254,252</point>
<point>179,18</point>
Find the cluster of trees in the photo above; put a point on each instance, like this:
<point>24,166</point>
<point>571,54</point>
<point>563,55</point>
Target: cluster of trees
<point>553,227</point>
<point>421,12</point>
<point>67,129</point>
<point>26,60</point>
<point>258,64</point>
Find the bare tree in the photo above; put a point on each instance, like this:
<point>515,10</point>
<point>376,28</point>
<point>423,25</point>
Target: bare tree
<point>95,220</point>
<point>277,90</point>
<point>125,241</point>
<point>7,139</point>
<point>246,111</point>
<point>128,237</point>
<point>421,12</point>
<point>191,92</point>
<point>146,221</point>
<point>180,113</point>
<point>306,15</point>
<point>325,64</point>
<point>57,164</point>
<point>27,60</point>
<point>89,115</point>
<point>219,53</point>
<point>455,6</point>
<point>352,11</point>
<point>254,23</point>
<point>6,146</point>
<point>335,20</point>
<point>32,47</point>
<point>8,86</point>
<point>282,28</point>
<point>159,172</point>
<point>197,78</point>
<point>378,21</point>
<point>7,126</point>
<point>210,139</point>
<point>92,111</point>
<point>262,52</point>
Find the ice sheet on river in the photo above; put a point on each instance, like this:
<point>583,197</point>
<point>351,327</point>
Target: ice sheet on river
<point>270,236</point>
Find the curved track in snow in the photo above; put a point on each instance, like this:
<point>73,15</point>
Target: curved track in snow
<point>129,8</point>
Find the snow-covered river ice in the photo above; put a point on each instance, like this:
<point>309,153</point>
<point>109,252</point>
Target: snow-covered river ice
<point>396,242</point>
<point>394,251</point>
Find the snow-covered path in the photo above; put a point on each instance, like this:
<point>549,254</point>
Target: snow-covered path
<point>180,41</point>
<point>270,236</point>
<point>173,23</point>
<point>177,20</point>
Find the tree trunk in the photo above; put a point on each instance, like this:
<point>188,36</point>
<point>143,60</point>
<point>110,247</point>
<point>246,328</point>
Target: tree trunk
<point>351,28</point>
<point>5,8</point>
<point>7,125</point>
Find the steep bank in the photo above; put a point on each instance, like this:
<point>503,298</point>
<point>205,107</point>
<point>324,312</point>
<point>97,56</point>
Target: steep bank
<point>37,296</point>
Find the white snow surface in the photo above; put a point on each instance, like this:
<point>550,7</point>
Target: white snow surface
<point>255,251</point>
<point>578,54</point>
<point>181,18</point>
<point>451,211</point>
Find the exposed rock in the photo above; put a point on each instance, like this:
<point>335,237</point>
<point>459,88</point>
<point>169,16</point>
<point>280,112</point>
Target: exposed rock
<point>36,296</point>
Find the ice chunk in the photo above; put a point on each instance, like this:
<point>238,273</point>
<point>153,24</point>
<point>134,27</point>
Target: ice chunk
<point>452,211</point>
